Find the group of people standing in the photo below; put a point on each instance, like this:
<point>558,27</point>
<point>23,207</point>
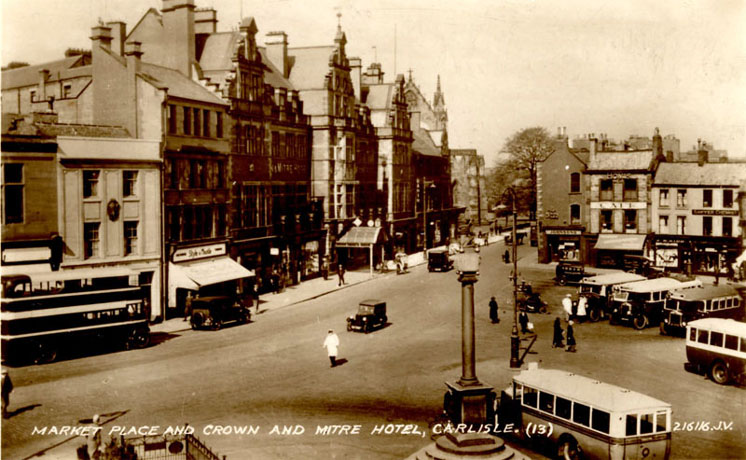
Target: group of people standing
<point>559,335</point>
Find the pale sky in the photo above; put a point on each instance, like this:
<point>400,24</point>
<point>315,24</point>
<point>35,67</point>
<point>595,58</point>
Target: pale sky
<point>594,66</point>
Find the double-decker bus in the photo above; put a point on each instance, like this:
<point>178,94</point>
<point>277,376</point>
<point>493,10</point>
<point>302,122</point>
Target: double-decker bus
<point>42,313</point>
<point>579,417</point>
<point>723,301</point>
<point>717,347</point>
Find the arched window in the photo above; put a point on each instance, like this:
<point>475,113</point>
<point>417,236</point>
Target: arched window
<point>575,182</point>
<point>574,214</point>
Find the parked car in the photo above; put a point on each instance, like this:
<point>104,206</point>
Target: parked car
<point>568,272</point>
<point>439,259</point>
<point>370,314</point>
<point>214,311</point>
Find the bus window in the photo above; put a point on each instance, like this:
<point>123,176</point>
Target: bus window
<point>546,402</point>
<point>564,408</point>
<point>743,344</point>
<point>703,336</point>
<point>729,302</point>
<point>530,396</point>
<point>661,421</point>
<point>600,421</point>
<point>731,342</point>
<point>716,339</point>
<point>581,414</point>
<point>646,423</point>
<point>707,305</point>
<point>736,302</point>
<point>632,425</point>
<point>692,334</point>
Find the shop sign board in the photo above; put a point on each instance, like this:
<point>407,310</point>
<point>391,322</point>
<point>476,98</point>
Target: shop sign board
<point>715,212</point>
<point>198,252</point>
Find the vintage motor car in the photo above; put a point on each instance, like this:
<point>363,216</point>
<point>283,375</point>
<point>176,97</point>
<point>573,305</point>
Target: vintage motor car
<point>370,314</point>
<point>212,312</point>
<point>439,259</point>
<point>682,307</point>
<point>529,300</point>
<point>568,272</point>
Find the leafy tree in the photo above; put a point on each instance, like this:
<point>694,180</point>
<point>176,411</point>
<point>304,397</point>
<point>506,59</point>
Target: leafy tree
<point>15,65</point>
<point>527,148</point>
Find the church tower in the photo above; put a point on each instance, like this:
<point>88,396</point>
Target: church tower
<point>439,108</point>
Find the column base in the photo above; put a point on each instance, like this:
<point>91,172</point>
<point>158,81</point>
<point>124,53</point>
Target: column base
<point>472,404</point>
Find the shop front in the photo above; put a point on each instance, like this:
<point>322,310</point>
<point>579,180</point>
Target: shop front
<point>203,271</point>
<point>696,255</point>
<point>363,246</point>
<point>563,243</point>
<point>611,248</point>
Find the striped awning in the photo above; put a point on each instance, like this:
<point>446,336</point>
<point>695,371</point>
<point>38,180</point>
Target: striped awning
<point>360,237</point>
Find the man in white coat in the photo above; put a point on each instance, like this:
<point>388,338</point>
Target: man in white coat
<point>567,307</point>
<point>331,343</point>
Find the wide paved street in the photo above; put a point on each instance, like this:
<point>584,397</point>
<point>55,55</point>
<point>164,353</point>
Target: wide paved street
<point>274,371</point>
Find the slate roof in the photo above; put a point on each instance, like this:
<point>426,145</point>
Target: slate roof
<point>272,74</point>
<point>423,143</point>
<point>179,85</point>
<point>218,51</point>
<point>707,174</point>
<point>616,161</point>
<point>309,66</point>
<point>379,96</point>
<point>29,75</point>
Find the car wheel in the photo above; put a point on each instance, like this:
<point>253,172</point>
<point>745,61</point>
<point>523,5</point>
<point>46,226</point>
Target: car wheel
<point>640,322</point>
<point>569,449</point>
<point>613,319</point>
<point>349,327</point>
<point>216,325</point>
<point>138,338</point>
<point>594,315</point>
<point>198,320</point>
<point>719,373</point>
<point>562,281</point>
<point>46,352</point>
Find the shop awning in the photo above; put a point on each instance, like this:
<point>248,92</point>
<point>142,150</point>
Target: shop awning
<point>617,242</point>
<point>192,275</point>
<point>361,237</point>
<point>26,254</point>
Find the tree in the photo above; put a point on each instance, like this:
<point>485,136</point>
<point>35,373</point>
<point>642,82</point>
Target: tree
<point>527,148</point>
<point>15,65</point>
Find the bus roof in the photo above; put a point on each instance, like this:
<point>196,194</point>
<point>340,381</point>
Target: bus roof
<point>728,326</point>
<point>655,284</point>
<point>705,292</point>
<point>589,391</point>
<point>613,278</point>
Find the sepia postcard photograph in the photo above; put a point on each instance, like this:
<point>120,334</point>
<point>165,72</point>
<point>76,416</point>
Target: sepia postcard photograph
<point>347,229</point>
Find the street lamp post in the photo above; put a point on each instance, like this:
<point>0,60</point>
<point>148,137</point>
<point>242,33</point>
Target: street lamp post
<point>515,340</point>
<point>425,189</point>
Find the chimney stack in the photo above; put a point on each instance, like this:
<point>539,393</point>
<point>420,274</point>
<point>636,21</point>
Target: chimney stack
<point>701,152</point>
<point>205,21</point>
<point>592,143</point>
<point>356,69</point>
<point>277,50</point>
<point>43,76</point>
<point>118,34</point>
<point>133,53</point>
<point>657,144</point>
<point>101,36</point>
<point>178,28</point>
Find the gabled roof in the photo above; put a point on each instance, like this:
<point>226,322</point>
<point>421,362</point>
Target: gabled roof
<point>29,75</point>
<point>617,161</point>
<point>423,143</point>
<point>218,51</point>
<point>178,85</point>
<point>272,74</point>
<point>379,96</point>
<point>694,174</point>
<point>309,66</point>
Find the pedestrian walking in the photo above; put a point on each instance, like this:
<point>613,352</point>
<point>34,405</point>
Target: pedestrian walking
<point>7,388</point>
<point>557,341</point>
<point>493,310</point>
<point>523,320</point>
<point>341,274</point>
<point>255,292</point>
<point>582,308</point>
<point>331,343</point>
<point>570,337</point>
<point>94,439</point>
<point>567,307</point>
<point>506,257</point>
<point>188,306</point>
